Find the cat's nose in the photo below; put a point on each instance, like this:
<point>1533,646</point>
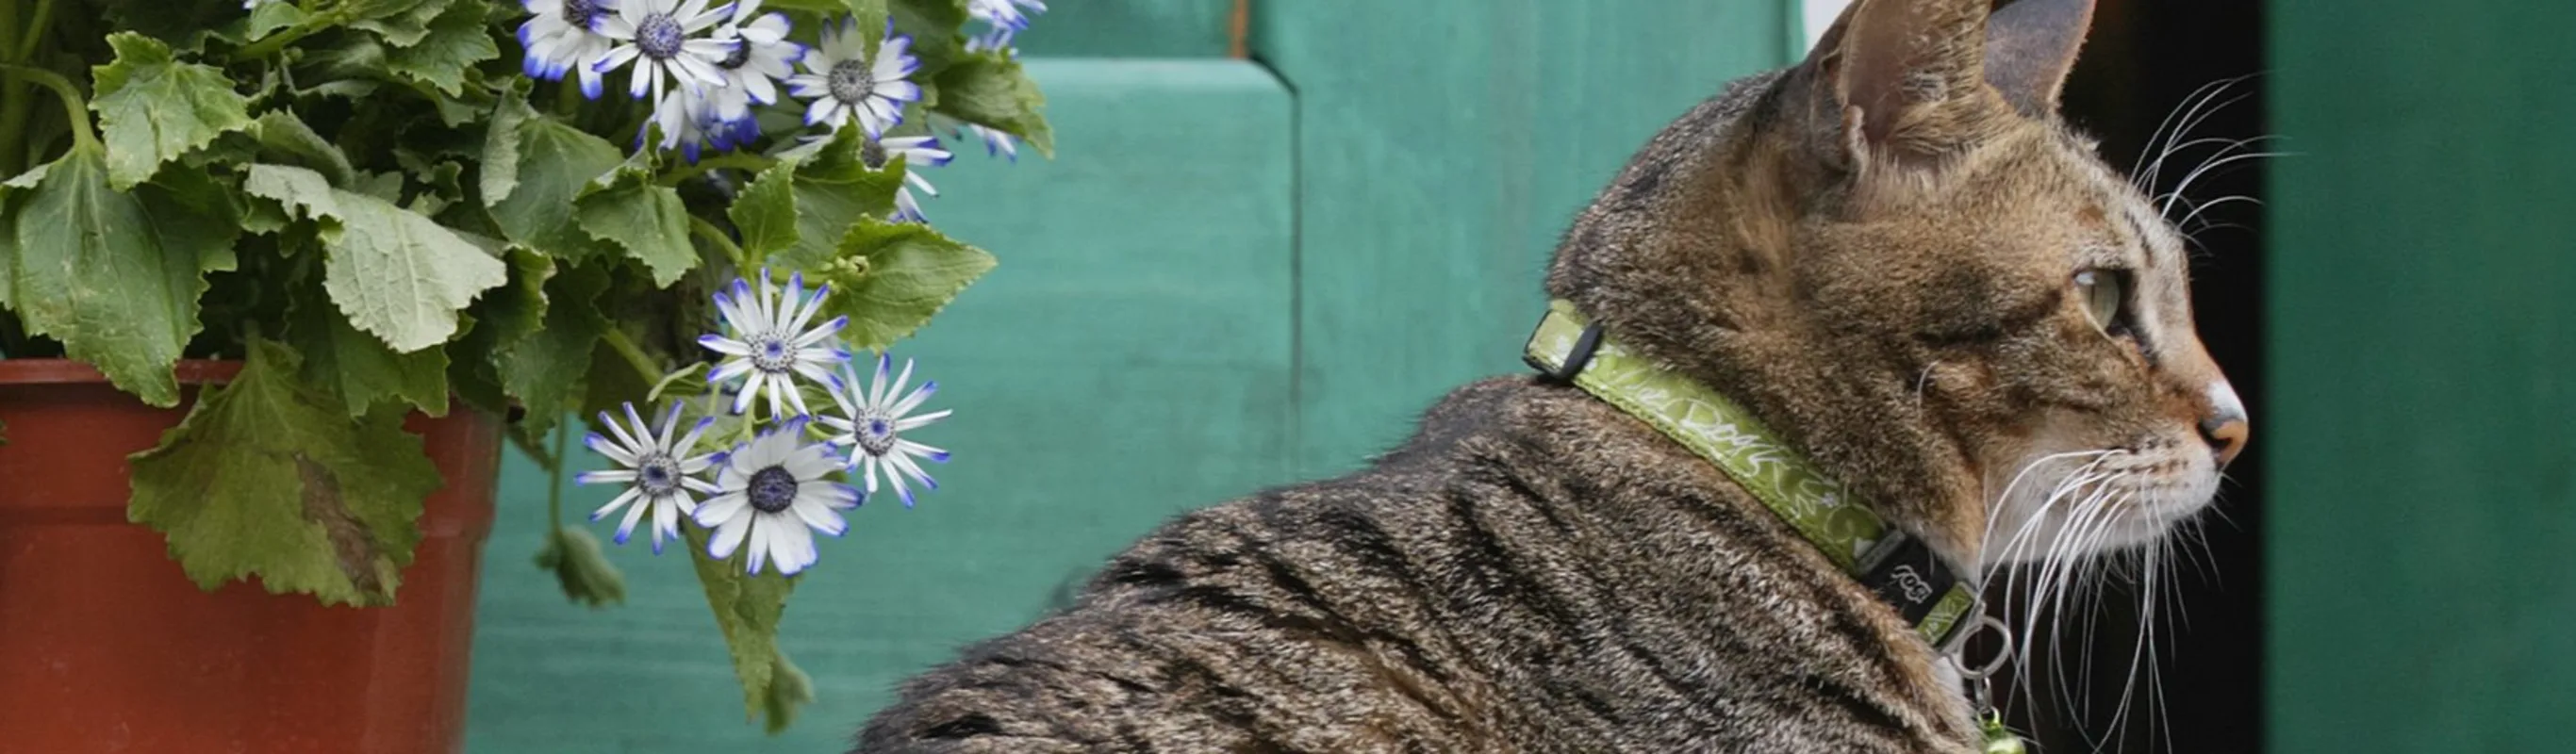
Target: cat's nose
<point>2225,427</point>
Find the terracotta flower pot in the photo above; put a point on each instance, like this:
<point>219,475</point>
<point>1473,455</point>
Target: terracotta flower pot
<point>105,646</point>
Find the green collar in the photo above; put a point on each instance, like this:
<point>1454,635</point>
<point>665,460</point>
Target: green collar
<point>1903,571</point>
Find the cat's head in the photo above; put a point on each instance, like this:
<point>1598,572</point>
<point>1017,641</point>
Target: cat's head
<point>1898,254</point>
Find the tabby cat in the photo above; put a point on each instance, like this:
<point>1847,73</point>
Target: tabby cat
<point>1894,254</point>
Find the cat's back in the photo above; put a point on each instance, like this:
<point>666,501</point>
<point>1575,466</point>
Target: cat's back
<point>1293,620</point>
<point>1511,579</point>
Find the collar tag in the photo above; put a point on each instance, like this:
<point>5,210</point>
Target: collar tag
<point>1901,569</point>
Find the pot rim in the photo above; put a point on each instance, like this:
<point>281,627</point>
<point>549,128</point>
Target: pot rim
<point>69,372</point>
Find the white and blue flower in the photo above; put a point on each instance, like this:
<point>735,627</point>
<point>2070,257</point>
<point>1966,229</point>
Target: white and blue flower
<point>686,124</point>
<point>761,56</point>
<point>1005,14</point>
<point>771,345</point>
<point>771,494</point>
<point>659,37</point>
<point>872,424</point>
<point>995,38</point>
<point>997,143</point>
<point>846,86</point>
<point>917,152</point>
<point>558,37</point>
<point>657,470</point>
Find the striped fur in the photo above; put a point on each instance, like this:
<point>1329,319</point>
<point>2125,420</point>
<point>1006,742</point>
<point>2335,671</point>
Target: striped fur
<point>1533,572</point>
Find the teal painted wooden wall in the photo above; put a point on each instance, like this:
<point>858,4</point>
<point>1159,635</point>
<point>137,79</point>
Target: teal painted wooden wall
<point>1236,274</point>
<point>1443,145</point>
<point>2422,437</point>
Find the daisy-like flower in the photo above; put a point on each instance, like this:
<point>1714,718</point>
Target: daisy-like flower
<point>846,86</point>
<point>917,152</point>
<point>655,35</point>
<point>659,473</point>
<point>686,123</point>
<point>761,55</point>
<point>558,38</point>
<point>1010,14</point>
<point>998,38</point>
<point>768,492</point>
<point>771,344</point>
<point>872,426</point>
<point>997,143</point>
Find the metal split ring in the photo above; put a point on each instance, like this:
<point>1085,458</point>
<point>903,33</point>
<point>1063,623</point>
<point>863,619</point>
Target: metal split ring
<point>1983,622</point>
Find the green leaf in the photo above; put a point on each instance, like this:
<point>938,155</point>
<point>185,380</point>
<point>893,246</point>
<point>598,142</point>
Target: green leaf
<point>546,370</point>
<point>402,23</point>
<point>933,25</point>
<point>585,574</point>
<point>269,17</point>
<point>268,477</point>
<point>285,140</point>
<point>397,274</point>
<point>643,217</point>
<point>441,189</point>
<point>747,609</point>
<point>153,108</point>
<point>456,40</point>
<point>994,91</point>
<point>890,278</point>
<point>359,368</point>
<point>789,689</point>
<point>500,166</point>
<point>502,317</point>
<point>765,211</point>
<point>113,275</point>
<point>264,18</point>
<point>834,190</point>
<point>555,163</point>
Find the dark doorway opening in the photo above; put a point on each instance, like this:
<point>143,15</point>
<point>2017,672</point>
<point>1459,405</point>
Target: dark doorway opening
<point>2195,63</point>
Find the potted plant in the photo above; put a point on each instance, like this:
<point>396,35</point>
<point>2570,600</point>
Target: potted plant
<point>278,278</point>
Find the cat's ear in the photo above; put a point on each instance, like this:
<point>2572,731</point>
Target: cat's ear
<point>2030,46</point>
<point>1907,77</point>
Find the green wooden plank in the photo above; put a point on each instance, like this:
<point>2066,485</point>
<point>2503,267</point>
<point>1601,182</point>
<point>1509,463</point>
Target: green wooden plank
<point>2423,333</point>
<point>1130,358</point>
<point>1443,145</point>
<point>1131,29</point>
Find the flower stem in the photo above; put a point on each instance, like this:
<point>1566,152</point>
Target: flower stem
<point>74,107</point>
<point>743,160</point>
<point>635,357</point>
<point>35,30</point>
<point>554,485</point>
<point>699,227</point>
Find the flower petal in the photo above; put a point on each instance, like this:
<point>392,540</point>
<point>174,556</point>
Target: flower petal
<point>923,420</point>
<point>634,513</point>
<point>729,535</point>
<point>619,502</point>
<point>721,508</point>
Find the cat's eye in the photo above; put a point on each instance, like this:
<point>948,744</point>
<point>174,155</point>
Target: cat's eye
<point>2105,294</point>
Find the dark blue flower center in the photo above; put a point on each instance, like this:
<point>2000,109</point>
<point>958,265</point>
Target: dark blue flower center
<point>581,13</point>
<point>877,436</point>
<point>850,81</point>
<point>656,474</point>
<point>769,353</point>
<point>659,37</point>
<point>741,54</point>
<point>772,489</point>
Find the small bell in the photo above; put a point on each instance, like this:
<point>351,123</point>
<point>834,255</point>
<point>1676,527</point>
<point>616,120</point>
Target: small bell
<point>1999,739</point>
